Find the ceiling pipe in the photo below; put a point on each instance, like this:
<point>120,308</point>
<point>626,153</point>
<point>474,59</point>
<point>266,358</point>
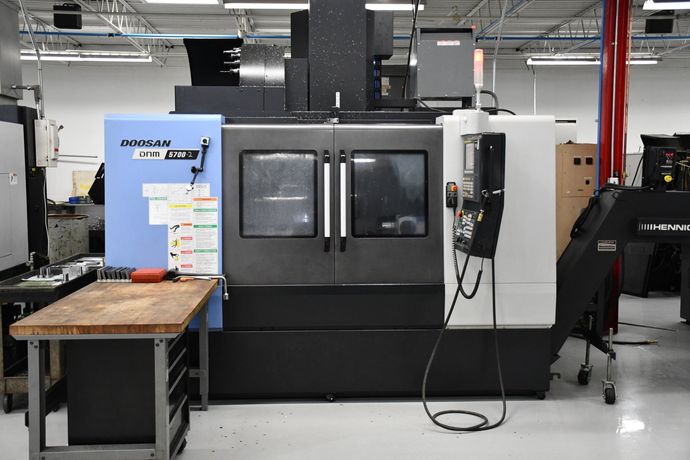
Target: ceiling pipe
<point>287,37</point>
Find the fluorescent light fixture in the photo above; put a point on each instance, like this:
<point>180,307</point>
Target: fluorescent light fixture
<point>583,61</point>
<point>665,5</point>
<point>85,56</point>
<point>397,6</point>
<point>562,61</point>
<point>184,2</point>
<point>374,5</point>
<point>650,61</point>
<point>273,5</point>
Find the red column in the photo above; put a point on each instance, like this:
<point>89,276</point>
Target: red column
<point>608,63</point>
<point>613,120</point>
<point>621,85</point>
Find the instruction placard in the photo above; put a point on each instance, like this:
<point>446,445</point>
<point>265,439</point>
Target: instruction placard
<point>193,235</point>
<point>160,194</point>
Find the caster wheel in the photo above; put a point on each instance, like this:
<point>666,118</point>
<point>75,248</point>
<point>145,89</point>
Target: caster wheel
<point>330,397</point>
<point>541,395</point>
<point>610,395</point>
<point>584,376</point>
<point>182,446</point>
<point>7,401</point>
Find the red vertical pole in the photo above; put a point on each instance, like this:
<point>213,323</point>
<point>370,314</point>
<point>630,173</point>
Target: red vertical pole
<point>621,85</point>
<point>614,117</point>
<point>608,62</point>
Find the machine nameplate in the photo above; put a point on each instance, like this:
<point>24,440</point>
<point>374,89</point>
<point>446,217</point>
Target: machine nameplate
<point>165,154</point>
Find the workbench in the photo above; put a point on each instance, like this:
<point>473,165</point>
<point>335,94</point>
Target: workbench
<point>158,313</point>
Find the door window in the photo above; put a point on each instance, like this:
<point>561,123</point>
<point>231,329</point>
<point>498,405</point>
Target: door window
<point>278,194</point>
<point>389,194</point>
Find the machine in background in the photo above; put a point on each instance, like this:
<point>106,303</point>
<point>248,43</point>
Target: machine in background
<point>658,266</point>
<point>623,219</point>
<point>14,242</point>
<point>29,145</point>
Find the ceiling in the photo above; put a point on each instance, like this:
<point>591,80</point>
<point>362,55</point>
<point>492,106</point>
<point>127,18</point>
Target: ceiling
<point>530,27</point>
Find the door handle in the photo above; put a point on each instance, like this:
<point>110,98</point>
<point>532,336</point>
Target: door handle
<point>343,201</point>
<point>326,201</point>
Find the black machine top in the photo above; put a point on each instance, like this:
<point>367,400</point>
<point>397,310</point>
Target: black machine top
<point>335,70</point>
<point>660,140</point>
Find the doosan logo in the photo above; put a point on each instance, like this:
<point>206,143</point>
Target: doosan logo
<point>145,143</point>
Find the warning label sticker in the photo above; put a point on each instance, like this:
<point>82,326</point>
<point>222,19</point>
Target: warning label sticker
<point>607,245</point>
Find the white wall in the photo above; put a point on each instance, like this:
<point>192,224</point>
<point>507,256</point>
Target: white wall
<point>79,96</point>
<point>659,98</point>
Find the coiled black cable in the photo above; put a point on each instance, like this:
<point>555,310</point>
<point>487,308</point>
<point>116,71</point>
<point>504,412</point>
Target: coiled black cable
<point>484,424</point>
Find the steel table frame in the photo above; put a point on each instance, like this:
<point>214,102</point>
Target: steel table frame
<point>161,449</point>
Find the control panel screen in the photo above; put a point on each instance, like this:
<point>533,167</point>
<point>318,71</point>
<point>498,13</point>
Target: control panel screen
<point>469,157</point>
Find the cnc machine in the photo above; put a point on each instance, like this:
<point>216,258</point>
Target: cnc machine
<point>334,230</point>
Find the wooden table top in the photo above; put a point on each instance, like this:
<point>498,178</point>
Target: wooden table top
<point>120,308</point>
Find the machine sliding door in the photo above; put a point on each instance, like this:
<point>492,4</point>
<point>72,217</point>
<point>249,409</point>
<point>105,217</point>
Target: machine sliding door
<point>277,205</point>
<point>389,204</point>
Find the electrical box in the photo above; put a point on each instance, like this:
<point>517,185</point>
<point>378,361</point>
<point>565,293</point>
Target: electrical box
<point>47,143</point>
<point>576,181</point>
<point>442,64</point>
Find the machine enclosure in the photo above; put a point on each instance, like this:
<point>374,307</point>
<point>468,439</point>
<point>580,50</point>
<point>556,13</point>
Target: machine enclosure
<point>286,334</point>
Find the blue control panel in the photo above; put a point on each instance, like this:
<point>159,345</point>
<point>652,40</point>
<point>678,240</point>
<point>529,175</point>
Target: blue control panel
<point>155,149</point>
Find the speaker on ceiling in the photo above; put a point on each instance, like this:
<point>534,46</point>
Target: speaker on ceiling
<point>71,19</point>
<point>660,26</point>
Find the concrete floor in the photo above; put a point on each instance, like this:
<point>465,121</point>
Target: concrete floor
<point>650,419</point>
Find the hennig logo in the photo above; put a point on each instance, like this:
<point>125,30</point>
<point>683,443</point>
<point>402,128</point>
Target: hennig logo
<point>663,227</point>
